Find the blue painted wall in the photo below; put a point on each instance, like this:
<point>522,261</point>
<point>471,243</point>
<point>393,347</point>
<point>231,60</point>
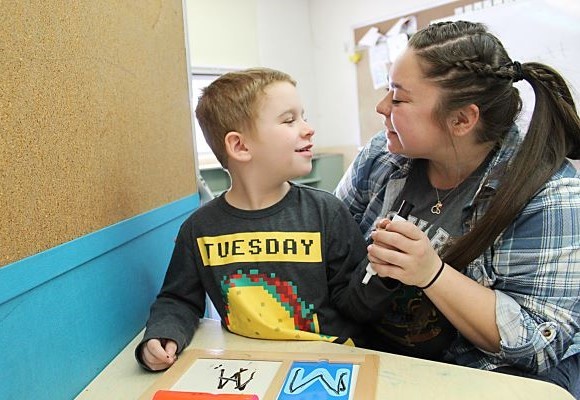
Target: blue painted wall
<point>67,312</point>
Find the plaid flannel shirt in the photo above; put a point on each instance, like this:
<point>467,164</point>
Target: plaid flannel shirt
<point>533,266</point>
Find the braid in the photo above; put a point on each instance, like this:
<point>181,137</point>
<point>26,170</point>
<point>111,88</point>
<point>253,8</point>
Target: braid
<point>554,112</point>
<point>486,70</point>
<point>471,66</point>
<point>553,81</point>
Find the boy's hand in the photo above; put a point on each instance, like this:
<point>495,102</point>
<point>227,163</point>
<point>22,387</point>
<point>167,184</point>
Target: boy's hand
<point>159,354</point>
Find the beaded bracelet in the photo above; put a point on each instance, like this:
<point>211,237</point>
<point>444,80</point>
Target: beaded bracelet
<point>435,277</point>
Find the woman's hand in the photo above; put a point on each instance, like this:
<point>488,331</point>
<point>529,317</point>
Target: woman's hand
<point>401,251</point>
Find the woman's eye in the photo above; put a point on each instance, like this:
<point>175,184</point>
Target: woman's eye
<point>395,101</point>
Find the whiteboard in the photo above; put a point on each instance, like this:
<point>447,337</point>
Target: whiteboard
<point>546,31</point>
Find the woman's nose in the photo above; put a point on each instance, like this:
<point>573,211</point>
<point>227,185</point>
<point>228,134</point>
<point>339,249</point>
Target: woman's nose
<point>384,106</point>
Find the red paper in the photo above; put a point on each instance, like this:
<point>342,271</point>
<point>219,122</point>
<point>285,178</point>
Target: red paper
<point>174,395</point>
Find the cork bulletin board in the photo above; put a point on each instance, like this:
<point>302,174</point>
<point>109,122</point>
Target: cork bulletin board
<point>95,117</point>
<point>368,96</point>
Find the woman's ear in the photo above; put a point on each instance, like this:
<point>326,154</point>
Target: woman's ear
<point>464,120</point>
<point>236,147</point>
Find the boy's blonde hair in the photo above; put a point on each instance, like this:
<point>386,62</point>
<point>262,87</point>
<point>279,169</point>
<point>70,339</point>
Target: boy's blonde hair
<point>230,104</point>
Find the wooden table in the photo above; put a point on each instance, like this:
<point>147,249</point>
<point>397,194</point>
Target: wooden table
<point>400,378</point>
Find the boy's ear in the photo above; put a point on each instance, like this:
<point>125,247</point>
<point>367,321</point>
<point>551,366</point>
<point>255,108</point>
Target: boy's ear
<point>463,121</point>
<point>236,146</point>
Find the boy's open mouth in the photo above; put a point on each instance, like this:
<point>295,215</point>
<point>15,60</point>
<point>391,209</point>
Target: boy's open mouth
<point>306,148</point>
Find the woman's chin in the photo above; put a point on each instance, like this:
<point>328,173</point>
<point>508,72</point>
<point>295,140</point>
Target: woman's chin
<point>393,139</point>
<point>394,146</point>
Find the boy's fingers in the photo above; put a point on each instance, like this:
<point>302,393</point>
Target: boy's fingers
<point>154,348</point>
<point>171,349</point>
<point>155,357</point>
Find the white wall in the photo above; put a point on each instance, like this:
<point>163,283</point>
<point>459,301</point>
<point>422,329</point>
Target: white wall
<point>222,33</point>
<point>285,43</point>
<point>310,39</point>
<point>333,22</point>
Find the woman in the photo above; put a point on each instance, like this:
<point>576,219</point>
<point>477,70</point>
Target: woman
<point>486,272</point>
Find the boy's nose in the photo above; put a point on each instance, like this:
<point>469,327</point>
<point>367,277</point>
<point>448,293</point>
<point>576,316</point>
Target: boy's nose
<point>308,130</point>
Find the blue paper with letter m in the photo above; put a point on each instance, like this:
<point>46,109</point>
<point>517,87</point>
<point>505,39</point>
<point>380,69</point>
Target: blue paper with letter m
<point>317,381</point>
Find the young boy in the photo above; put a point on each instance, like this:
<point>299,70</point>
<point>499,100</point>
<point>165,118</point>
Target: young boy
<point>275,257</point>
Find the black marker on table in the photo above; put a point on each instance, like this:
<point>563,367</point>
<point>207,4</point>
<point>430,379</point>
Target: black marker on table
<point>401,215</point>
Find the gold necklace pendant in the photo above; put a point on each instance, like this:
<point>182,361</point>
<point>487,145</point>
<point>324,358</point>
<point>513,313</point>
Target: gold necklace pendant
<point>436,209</point>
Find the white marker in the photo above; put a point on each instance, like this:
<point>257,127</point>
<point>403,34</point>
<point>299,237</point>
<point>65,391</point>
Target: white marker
<point>401,215</point>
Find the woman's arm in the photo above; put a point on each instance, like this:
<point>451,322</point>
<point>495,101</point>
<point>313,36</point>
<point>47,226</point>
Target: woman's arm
<point>402,251</point>
<point>525,307</point>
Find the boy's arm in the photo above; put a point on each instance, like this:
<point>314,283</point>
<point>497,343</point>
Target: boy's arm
<point>347,260</point>
<point>180,304</point>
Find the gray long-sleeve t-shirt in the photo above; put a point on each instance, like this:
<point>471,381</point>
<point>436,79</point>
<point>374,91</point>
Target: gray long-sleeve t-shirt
<point>285,272</point>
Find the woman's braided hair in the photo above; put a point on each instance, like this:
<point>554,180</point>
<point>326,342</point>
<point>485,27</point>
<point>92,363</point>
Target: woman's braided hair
<point>471,66</point>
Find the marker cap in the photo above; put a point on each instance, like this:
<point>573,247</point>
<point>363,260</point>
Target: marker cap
<point>405,209</point>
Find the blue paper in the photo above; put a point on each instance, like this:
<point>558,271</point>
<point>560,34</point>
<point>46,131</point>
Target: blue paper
<point>318,380</point>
